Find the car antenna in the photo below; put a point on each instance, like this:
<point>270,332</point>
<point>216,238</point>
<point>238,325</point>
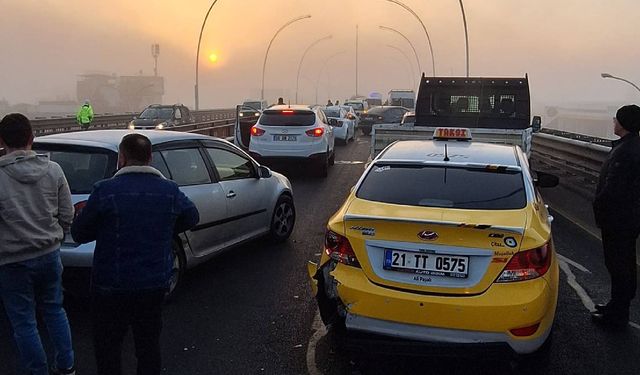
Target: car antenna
<point>446,153</point>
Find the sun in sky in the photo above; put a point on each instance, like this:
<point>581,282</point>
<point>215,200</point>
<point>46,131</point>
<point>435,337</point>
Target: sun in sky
<point>213,57</point>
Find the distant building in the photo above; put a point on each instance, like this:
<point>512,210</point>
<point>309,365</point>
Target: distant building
<point>113,94</point>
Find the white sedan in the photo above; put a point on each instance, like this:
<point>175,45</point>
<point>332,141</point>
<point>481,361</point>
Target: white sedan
<point>343,123</point>
<point>238,199</point>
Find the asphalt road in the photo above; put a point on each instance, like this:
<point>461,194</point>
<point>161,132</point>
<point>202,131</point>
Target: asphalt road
<point>250,311</point>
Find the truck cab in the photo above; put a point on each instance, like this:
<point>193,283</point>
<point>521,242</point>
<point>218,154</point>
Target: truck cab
<point>402,98</point>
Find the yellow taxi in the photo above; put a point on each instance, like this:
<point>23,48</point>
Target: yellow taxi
<point>443,241</point>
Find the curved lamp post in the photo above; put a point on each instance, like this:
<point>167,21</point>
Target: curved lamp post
<point>426,33</point>
<point>302,60</point>
<point>408,61</point>
<point>607,75</point>
<point>466,35</point>
<point>324,65</point>
<point>266,55</point>
<point>198,53</point>
<point>408,41</point>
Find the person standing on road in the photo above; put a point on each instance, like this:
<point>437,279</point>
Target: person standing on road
<point>617,212</point>
<point>280,101</point>
<point>84,117</point>
<point>35,212</point>
<point>134,217</point>
<point>329,103</point>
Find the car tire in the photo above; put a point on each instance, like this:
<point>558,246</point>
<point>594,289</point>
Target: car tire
<point>283,219</point>
<point>332,158</point>
<point>177,271</point>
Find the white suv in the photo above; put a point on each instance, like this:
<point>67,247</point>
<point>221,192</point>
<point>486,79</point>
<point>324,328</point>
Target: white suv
<point>294,132</point>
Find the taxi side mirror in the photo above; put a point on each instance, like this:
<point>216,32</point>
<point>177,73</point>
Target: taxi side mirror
<point>545,180</point>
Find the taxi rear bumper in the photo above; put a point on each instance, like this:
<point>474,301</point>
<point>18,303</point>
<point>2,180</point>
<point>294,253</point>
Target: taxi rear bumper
<point>479,319</point>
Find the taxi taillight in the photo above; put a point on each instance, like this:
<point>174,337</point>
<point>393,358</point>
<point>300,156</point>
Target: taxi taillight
<point>527,265</point>
<point>338,248</point>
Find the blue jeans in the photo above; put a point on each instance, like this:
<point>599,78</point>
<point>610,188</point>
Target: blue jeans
<point>37,284</point>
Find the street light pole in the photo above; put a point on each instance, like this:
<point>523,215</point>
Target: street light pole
<point>408,41</point>
<point>198,54</point>
<point>607,75</point>
<point>324,65</point>
<point>302,60</point>
<point>408,61</point>
<point>426,33</point>
<point>466,35</point>
<point>266,55</point>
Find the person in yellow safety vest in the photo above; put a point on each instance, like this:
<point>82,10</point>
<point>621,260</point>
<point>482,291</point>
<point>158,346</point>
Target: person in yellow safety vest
<point>85,115</point>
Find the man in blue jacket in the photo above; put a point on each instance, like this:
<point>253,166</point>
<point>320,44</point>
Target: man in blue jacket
<point>134,218</point>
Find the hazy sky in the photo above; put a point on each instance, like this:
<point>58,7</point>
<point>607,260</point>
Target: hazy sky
<point>563,45</point>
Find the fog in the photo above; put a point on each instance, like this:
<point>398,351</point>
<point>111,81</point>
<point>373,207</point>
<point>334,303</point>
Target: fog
<point>563,46</point>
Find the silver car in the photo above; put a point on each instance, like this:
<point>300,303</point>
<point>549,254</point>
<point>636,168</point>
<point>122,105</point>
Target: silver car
<point>238,199</point>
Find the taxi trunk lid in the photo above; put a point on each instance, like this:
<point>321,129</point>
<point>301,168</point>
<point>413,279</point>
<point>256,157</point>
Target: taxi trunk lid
<point>430,250</point>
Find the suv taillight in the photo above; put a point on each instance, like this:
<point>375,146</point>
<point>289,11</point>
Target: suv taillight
<point>527,265</point>
<point>338,248</point>
<point>316,132</point>
<point>256,132</point>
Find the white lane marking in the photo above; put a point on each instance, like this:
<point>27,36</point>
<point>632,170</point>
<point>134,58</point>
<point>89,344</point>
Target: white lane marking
<point>320,332</point>
<point>348,162</point>
<point>573,263</point>
<point>571,279</point>
<point>564,262</point>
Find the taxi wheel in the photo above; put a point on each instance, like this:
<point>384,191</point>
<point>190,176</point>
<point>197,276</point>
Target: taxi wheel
<point>177,271</point>
<point>283,219</point>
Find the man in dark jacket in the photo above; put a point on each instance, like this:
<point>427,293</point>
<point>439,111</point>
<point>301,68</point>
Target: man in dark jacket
<point>134,218</point>
<point>617,212</point>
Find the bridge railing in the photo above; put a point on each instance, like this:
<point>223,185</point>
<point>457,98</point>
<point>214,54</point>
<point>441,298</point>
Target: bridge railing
<point>46,126</point>
<point>577,162</point>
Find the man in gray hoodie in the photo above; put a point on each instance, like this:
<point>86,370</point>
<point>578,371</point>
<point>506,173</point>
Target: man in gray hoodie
<point>35,212</point>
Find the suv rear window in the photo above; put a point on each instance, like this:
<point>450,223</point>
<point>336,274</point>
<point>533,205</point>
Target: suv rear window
<point>82,167</point>
<point>287,118</point>
<point>450,187</point>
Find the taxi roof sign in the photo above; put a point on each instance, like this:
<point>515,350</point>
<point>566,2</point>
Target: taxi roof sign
<point>461,134</point>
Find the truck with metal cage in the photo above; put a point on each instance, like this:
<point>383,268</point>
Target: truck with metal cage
<point>496,110</point>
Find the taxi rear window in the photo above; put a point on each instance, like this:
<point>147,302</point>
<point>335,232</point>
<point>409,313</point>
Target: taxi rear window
<point>448,187</point>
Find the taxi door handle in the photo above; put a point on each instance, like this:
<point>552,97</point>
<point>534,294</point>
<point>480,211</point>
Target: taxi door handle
<point>231,194</point>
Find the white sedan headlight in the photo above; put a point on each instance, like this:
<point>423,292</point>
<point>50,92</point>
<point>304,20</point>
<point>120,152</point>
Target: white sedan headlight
<point>131,126</point>
<point>161,125</point>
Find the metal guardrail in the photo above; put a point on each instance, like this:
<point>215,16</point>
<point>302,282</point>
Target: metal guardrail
<point>578,162</point>
<point>118,121</point>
